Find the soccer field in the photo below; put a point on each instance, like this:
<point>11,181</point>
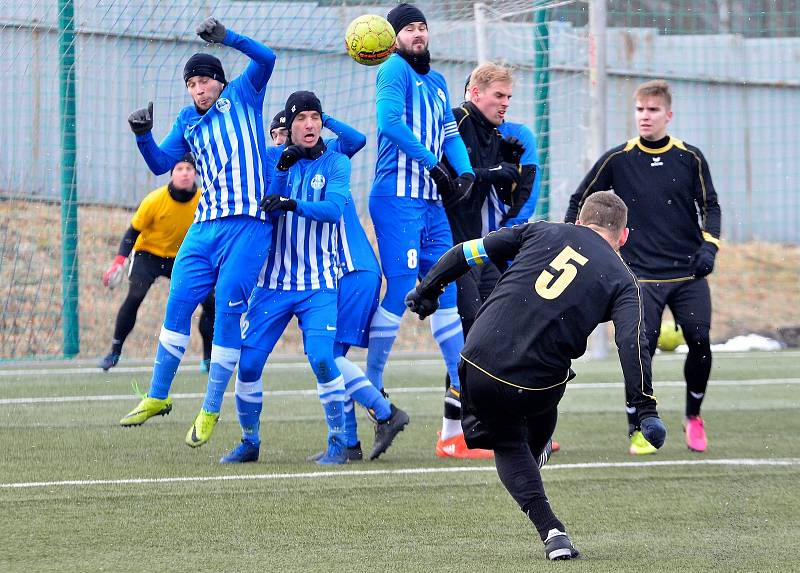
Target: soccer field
<point>79,493</point>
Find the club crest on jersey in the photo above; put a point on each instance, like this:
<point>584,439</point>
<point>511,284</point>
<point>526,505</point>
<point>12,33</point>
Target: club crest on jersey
<point>656,162</point>
<point>441,95</point>
<point>223,105</point>
<point>318,182</point>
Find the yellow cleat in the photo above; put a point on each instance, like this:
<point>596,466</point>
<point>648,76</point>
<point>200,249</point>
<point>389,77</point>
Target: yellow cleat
<point>146,409</point>
<point>201,429</point>
<point>640,446</point>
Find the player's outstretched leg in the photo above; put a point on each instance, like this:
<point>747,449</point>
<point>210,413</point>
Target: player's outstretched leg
<point>249,403</point>
<point>382,333</point>
<point>330,387</point>
<point>225,354</point>
<point>172,343</point>
<point>696,370</point>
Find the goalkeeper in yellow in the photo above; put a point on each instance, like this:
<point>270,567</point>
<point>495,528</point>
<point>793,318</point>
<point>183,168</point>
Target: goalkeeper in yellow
<point>156,232</point>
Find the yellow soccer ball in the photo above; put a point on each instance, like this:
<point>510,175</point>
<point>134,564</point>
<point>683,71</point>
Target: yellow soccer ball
<point>670,337</point>
<point>369,39</point>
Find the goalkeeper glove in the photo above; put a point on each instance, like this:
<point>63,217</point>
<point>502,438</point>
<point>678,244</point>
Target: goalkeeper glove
<point>212,31</point>
<point>276,202</point>
<point>420,305</point>
<point>113,275</point>
<point>512,149</point>
<point>141,121</point>
<point>704,259</point>
<point>654,430</point>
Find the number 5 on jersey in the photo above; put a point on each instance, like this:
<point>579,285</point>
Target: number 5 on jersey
<point>548,286</point>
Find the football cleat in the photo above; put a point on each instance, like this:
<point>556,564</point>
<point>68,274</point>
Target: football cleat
<point>146,409</point>
<point>695,433</point>
<point>335,454</point>
<point>558,546</point>
<point>545,455</point>
<point>640,446</point>
<point>108,361</point>
<point>556,446</point>
<point>205,365</point>
<point>241,454</point>
<point>456,447</point>
<point>386,431</point>
<point>201,429</point>
<point>354,454</point>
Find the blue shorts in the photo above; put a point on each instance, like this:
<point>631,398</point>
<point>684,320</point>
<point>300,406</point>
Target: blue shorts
<point>228,253</point>
<point>271,310</point>
<point>412,234</point>
<point>359,294</point>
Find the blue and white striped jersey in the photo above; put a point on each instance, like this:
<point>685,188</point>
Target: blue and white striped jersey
<point>228,141</point>
<point>305,242</point>
<point>355,250</point>
<point>415,119</point>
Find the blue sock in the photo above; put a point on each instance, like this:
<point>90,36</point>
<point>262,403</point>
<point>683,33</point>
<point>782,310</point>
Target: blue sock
<point>249,401</point>
<point>171,346</point>
<point>350,424</point>
<point>359,388</point>
<point>446,329</point>
<point>382,333</point>
<point>332,395</point>
<point>223,361</point>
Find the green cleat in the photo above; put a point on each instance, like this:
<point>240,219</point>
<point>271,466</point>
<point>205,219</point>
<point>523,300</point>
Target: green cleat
<point>640,446</point>
<point>201,429</point>
<point>146,409</point>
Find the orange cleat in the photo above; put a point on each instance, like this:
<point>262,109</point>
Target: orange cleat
<point>456,447</point>
<point>556,446</point>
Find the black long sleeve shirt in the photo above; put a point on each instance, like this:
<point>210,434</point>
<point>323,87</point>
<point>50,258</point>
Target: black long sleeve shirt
<point>672,204</point>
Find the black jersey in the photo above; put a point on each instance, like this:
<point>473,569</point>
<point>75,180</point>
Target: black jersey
<point>672,205</point>
<point>564,281</point>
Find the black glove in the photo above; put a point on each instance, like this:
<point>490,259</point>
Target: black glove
<point>511,149</point>
<point>276,202</point>
<point>654,431</point>
<point>462,187</point>
<point>141,121</point>
<point>212,31</point>
<point>704,259</point>
<point>441,177</point>
<point>290,155</point>
<point>420,305</point>
<point>503,174</point>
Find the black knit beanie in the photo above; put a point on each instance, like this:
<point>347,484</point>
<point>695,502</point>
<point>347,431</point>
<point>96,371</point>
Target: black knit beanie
<point>187,158</point>
<point>278,121</point>
<point>403,14</point>
<point>300,101</point>
<point>204,65</point>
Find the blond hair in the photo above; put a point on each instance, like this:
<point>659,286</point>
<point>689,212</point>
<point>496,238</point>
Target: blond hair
<point>486,74</point>
<point>605,210</point>
<point>655,88</point>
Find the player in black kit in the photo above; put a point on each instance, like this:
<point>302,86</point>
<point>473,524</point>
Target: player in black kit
<point>674,220</point>
<point>564,281</point>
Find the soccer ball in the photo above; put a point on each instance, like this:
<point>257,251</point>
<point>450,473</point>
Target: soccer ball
<point>671,336</point>
<point>369,39</point>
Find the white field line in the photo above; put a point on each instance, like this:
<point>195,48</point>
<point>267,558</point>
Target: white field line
<point>399,472</point>
<point>409,390</point>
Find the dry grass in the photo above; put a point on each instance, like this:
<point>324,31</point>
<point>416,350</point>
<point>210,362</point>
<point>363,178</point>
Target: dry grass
<point>756,288</point>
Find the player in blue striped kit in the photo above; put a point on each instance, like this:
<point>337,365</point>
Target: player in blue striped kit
<point>529,161</point>
<point>308,192</point>
<point>415,128</point>
<point>359,286</point>
<point>229,241</point>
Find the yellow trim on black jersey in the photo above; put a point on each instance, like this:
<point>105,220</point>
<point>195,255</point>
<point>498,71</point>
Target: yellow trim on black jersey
<point>490,375</point>
<point>596,176</point>
<point>675,280</point>
<point>636,142</point>
<point>711,239</point>
<point>466,115</point>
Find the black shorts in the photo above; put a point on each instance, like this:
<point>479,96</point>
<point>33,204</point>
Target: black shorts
<point>689,301</point>
<point>496,414</point>
<point>146,268</point>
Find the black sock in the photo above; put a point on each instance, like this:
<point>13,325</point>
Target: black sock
<point>697,367</point>
<point>541,515</point>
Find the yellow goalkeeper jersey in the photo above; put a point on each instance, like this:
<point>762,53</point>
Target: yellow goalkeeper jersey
<point>163,222</point>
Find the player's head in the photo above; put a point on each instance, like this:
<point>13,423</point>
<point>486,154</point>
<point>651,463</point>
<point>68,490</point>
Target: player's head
<point>205,80</point>
<point>182,179</point>
<point>653,109</point>
<point>304,118</point>
<point>607,214</point>
<point>278,130</point>
<point>489,89</point>
<point>410,28</point>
